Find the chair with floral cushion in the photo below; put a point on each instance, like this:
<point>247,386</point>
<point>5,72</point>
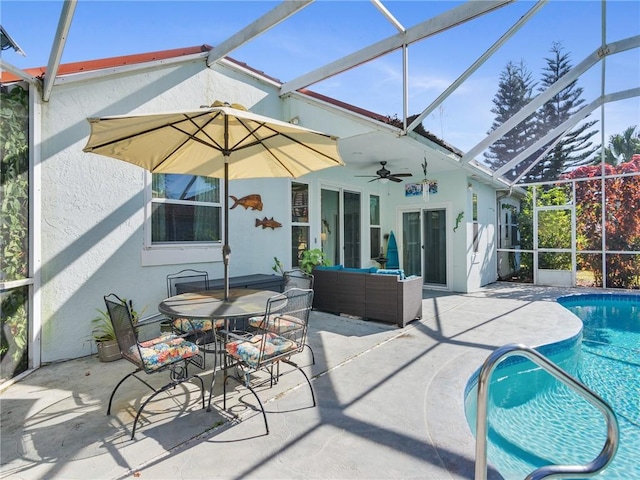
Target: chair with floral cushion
<point>199,331</point>
<point>295,278</point>
<point>262,348</point>
<point>168,352</point>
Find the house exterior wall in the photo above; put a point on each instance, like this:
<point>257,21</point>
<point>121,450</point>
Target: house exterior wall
<point>94,208</point>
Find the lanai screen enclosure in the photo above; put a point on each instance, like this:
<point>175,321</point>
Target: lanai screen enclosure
<point>565,150</point>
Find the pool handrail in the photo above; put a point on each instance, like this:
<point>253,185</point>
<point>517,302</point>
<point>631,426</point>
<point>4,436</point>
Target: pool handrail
<point>598,464</point>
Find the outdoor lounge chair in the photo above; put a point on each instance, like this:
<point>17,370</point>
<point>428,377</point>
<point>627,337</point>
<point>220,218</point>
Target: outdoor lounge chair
<point>167,352</point>
<point>261,349</point>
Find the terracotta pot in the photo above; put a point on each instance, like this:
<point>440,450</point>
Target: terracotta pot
<point>108,351</point>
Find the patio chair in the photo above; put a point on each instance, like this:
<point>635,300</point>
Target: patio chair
<point>297,279</point>
<point>197,277</point>
<point>167,352</point>
<point>199,331</point>
<point>261,349</point>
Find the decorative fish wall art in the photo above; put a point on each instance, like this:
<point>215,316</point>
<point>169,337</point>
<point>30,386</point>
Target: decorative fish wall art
<point>268,223</point>
<point>253,201</point>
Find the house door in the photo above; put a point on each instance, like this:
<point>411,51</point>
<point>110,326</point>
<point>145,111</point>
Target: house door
<point>435,246</point>
<point>341,213</point>
<point>411,244</point>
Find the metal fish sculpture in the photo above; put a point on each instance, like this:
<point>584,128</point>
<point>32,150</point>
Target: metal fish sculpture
<point>253,201</point>
<point>268,223</point>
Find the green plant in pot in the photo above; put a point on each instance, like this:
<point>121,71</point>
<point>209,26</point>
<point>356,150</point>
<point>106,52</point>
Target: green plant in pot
<point>313,258</point>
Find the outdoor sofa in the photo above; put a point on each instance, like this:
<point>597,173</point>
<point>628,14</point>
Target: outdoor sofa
<point>369,293</point>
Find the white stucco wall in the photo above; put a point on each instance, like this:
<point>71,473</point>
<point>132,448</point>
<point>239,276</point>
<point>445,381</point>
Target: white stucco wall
<point>93,207</point>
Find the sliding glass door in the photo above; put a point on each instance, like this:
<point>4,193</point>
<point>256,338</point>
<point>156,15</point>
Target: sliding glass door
<point>341,217</point>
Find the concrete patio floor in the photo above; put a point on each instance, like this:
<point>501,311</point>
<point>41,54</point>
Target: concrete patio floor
<point>390,403</point>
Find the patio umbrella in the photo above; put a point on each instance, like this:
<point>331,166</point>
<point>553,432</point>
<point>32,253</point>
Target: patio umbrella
<point>221,141</point>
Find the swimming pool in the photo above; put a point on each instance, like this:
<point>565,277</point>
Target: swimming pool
<point>535,421</point>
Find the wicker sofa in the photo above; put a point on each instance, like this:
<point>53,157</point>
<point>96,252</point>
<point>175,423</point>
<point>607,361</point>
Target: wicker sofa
<point>367,294</point>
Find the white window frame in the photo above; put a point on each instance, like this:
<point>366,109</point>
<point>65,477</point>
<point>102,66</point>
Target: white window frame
<point>175,253</point>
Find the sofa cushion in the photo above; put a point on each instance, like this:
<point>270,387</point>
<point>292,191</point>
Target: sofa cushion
<point>389,271</point>
<point>358,270</point>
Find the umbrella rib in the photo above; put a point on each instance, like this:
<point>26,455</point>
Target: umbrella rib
<point>144,132</point>
<point>191,136</point>
<point>275,133</point>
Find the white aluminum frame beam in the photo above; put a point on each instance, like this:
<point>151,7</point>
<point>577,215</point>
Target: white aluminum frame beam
<point>393,20</point>
<point>571,76</point>
<point>440,23</point>
<point>270,19</point>
<point>68,8</point>
<point>5,66</point>
<point>478,63</point>
<point>561,129</point>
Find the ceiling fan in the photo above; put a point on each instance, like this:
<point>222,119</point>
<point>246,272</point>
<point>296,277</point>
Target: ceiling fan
<point>383,175</point>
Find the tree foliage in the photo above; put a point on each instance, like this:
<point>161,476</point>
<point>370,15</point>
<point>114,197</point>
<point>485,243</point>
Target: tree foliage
<point>515,90</point>
<point>622,210</point>
<point>622,147</point>
<point>575,148</point>
<point>14,225</point>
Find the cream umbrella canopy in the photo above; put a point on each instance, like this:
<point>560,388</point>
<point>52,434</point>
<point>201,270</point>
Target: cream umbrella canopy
<point>222,141</point>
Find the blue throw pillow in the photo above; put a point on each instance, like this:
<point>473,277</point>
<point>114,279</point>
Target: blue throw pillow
<point>387,271</point>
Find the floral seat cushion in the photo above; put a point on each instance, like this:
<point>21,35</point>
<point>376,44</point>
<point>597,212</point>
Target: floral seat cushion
<point>277,323</point>
<point>163,350</point>
<point>249,350</point>
<point>187,325</point>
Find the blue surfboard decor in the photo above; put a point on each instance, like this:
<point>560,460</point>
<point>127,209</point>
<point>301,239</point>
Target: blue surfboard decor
<point>393,261</point>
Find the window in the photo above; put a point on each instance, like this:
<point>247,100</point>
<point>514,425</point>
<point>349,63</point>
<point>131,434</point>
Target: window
<point>185,209</point>
<point>299,221</point>
<point>374,226</point>
<point>476,233</point>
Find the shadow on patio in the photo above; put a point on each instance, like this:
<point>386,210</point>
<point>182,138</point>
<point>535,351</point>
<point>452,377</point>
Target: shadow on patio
<point>390,403</point>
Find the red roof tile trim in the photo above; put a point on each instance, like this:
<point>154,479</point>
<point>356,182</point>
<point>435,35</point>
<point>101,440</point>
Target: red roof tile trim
<point>90,65</point>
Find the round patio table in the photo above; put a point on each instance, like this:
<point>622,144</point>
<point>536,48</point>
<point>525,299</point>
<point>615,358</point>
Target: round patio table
<point>210,304</point>
<point>242,302</point>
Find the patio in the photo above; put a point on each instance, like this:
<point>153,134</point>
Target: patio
<point>390,403</point>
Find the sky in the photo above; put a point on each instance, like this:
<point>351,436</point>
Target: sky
<point>328,30</point>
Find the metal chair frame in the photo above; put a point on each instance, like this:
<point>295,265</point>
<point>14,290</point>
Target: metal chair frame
<point>298,278</point>
<point>183,276</point>
<point>202,338</point>
<point>295,304</point>
<point>130,348</point>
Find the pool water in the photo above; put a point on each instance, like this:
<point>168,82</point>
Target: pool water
<point>534,420</point>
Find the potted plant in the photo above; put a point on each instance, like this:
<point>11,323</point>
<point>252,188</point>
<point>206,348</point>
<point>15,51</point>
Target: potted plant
<point>278,266</point>
<point>105,336</point>
<point>312,258</point>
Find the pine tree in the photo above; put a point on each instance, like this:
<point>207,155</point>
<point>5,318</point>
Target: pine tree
<point>575,147</point>
<point>514,92</point>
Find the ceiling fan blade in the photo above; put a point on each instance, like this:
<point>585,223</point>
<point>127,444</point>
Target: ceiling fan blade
<point>394,179</point>
<point>369,176</point>
<point>401,175</point>
<point>373,180</point>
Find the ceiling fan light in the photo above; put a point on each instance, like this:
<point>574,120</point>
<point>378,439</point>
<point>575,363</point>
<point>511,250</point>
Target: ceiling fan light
<point>383,180</point>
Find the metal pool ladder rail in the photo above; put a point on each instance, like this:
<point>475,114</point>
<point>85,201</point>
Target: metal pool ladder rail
<point>559,471</point>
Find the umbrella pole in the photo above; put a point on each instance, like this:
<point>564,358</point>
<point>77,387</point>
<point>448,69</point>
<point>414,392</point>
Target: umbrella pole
<point>226,249</point>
